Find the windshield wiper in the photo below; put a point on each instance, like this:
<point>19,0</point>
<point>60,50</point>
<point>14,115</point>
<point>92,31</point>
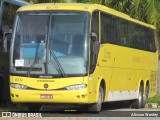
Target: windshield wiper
<point>60,69</point>
<point>34,62</point>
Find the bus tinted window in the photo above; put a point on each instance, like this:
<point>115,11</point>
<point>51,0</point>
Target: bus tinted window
<point>95,29</point>
<point>118,31</point>
<point>122,32</point>
<point>95,23</point>
<point>151,39</point>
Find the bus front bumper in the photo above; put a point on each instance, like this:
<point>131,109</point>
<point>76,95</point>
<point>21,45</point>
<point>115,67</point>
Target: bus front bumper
<point>58,96</point>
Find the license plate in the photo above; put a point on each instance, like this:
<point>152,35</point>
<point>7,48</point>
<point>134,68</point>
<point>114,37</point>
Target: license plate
<point>46,96</point>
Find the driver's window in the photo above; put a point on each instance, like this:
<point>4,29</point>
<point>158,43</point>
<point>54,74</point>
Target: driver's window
<point>94,29</point>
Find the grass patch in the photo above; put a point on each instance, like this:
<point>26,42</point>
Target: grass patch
<point>155,99</point>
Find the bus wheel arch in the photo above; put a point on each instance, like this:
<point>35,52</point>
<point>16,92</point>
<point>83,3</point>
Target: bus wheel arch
<point>101,90</point>
<point>141,84</point>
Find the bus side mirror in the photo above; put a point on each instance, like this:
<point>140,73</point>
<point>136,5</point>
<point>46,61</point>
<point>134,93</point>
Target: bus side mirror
<point>95,46</point>
<point>95,43</point>
<point>93,36</point>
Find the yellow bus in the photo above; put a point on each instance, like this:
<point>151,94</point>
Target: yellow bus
<point>83,54</point>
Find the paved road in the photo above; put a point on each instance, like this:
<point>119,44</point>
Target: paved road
<point>119,109</point>
<point>110,111</point>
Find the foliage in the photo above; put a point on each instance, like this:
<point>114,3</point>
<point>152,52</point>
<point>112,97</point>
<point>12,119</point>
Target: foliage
<point>144,10</point>
<point>155,99</point>
<point>147,10</point>
<point>83,1</point>
<point>51,1</point>
<point>43,1</point>
<point>8,15</point>
<point>121,5</point>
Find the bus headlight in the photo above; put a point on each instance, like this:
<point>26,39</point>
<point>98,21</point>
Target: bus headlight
<point>18,86</point>
<point>76,87</point>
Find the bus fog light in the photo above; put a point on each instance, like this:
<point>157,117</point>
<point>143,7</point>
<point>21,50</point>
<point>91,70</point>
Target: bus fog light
<point>12,95</point>
<point>17,95</point>
<point>83,96</point>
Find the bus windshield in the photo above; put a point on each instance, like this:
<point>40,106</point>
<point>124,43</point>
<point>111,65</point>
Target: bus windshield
<point>50,43</point>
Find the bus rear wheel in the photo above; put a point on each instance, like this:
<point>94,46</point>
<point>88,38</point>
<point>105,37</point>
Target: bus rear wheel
<point>138,103</point>
<point>34,107</point>
<point>145,96</point>
<point>97,106</point>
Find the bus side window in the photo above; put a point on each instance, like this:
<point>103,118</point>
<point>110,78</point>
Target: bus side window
<point>95,23</point>
<point>106,28</point>
<point>151,40</point>
<point>94,29</point>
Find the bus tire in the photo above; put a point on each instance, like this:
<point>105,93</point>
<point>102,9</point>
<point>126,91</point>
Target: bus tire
<point>145,96</point>
<point>138,102</point>
<point>96,107</point>
<point>34,107</point>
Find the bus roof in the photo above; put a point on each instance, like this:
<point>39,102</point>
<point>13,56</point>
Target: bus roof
<point>80,7</point>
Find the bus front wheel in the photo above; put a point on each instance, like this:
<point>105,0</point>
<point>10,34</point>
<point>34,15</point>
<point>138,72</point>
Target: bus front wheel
<point>97,106</point>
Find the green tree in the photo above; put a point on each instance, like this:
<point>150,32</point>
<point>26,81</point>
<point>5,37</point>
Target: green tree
<point>120,5</point>
<point>83,1</point>
<point>147,10</point>
<point>48,1</point>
